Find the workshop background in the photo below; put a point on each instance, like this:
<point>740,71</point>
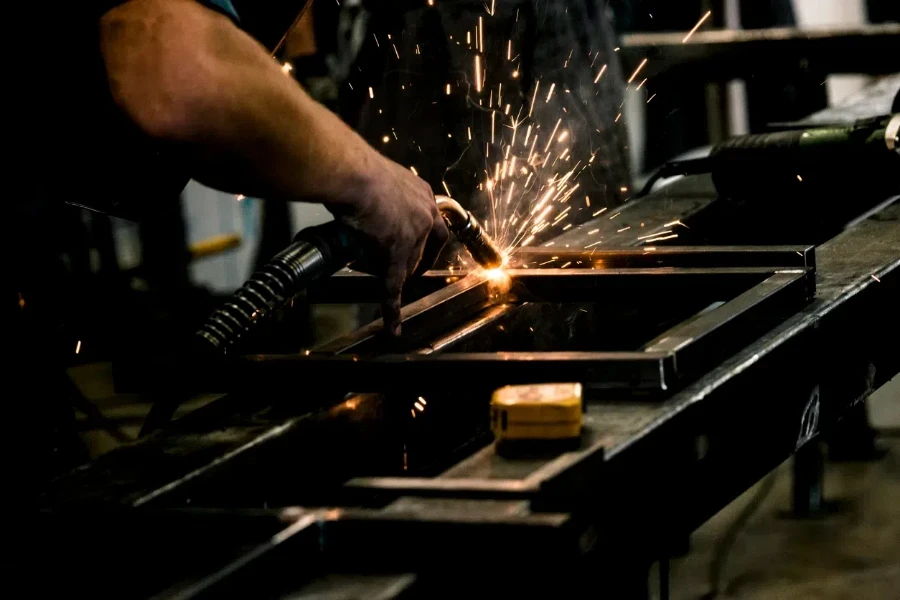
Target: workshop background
<point>754,548</point>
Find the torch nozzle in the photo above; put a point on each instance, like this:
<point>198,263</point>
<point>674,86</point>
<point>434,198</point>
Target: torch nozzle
<point>469,232</point>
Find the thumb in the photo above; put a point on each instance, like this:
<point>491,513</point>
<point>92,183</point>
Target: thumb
<point>393,286</point>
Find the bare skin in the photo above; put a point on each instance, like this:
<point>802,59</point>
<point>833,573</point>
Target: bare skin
<point>187,75</point>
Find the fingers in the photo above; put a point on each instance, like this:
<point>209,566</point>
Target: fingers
<point>393,286</point>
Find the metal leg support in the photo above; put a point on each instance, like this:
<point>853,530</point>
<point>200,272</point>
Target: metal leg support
<point>809,470</point>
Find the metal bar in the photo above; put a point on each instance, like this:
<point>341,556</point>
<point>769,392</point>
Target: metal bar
<point>668,256</point>
<point>729,54</point>
<point>355,287</point>
<point>757,310</point>
<point>626,285</point>
<point>441,372</point>
<point>419,319</point>
<point>468,330</point>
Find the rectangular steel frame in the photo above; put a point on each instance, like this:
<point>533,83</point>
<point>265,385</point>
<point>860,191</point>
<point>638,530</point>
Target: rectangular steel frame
<point>766,286</point>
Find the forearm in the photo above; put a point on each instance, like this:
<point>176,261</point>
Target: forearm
<point>188,76</point>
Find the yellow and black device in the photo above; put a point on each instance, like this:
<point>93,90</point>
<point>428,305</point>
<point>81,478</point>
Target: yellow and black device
<point>546,411</point>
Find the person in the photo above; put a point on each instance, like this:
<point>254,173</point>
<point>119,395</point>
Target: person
<point>119,101</point>
<point>189,76</point>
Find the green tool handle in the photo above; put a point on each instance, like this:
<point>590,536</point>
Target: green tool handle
<point>818,155</point>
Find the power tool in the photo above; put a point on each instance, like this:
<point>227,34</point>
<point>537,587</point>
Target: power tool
<point>317,252</point>
<point>815,157</point>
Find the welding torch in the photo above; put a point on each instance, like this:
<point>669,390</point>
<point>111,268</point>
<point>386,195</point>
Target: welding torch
<point>318,252</point>
<point>818,157</point>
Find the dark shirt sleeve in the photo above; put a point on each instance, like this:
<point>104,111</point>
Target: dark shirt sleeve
<point>223,6</point>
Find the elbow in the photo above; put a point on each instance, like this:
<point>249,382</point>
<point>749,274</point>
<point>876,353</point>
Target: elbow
<point>156,69</point>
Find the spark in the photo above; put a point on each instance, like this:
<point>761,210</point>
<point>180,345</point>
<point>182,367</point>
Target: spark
<point>614,216</point>
<point>673,223</point>
<point>601,211</point>
<point>480,34</point>
<point>418,405</point>
<point>624,229</point>
<point>240,197</point>
<point>78,346</point>
<point>552,135</point>
<point>386,139</point>
<point>536,85</point>
<point>696,27</point>
<point>799,178</point>
<point>550,93</point>
<point>642,84</point>
<point>593,231</point>
<point>287,68</point>
<point>875,277</point>
<point>594,244</point>
<point>651,98</point>
<point>395,50</point>
<point>509,50</point>
<point>448,89</point>
<point>478,73</point>
<point>638,70</point>
<point>655,234</point>
<point>413,169</point>
<point>446,189</point>
<point>493,119</point>
<point>371,92</point>
<point>660,239</point>
<point>600,74</point>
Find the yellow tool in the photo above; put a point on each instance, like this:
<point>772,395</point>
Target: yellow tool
<point>215,245</point>
<point>547,411</point>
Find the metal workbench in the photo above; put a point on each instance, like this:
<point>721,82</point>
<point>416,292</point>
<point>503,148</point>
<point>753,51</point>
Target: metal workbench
<point>279,490</point>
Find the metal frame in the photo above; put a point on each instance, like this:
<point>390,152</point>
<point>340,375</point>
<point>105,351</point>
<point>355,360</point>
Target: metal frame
<point>621,488</point>
<point>757,298</point>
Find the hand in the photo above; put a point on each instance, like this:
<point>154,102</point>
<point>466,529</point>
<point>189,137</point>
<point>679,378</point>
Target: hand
<point>396,211</point>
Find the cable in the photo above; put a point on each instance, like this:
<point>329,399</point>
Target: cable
<point>676,167</point>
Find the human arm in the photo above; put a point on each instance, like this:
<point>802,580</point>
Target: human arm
<point>188,76</point>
